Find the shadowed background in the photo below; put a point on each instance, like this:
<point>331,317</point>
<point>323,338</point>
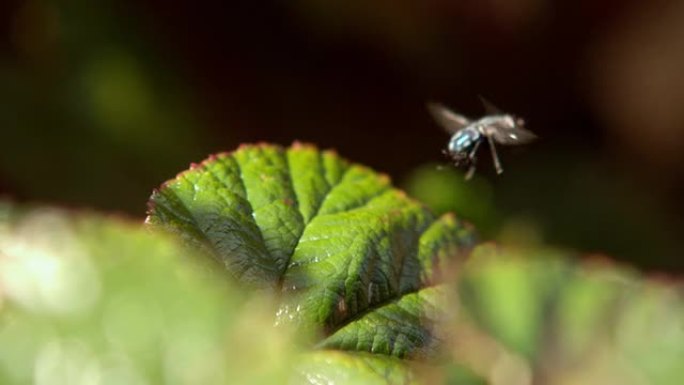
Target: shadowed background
<point>100,103</point>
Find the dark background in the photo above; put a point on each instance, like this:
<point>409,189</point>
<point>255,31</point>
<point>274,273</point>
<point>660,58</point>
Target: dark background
<point>102,101</point>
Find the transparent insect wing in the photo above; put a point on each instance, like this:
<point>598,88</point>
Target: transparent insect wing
<point>449,120</point>
<point>489,107</point>
<point>510,134</point>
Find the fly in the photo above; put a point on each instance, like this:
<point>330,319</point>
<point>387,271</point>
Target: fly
<point>467,134</point>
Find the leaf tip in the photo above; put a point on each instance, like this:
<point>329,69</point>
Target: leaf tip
<point>386,179</point>
<point>299,145</point>
<point>215,157</point>
<point>449,216</point>
<point>152,203</point>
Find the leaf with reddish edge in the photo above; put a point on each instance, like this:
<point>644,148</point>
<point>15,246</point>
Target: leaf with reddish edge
<point>346,252</point>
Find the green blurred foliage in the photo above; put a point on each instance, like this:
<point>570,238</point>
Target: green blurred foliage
<point>459,374</point>
<point>94,114</point>
<point>89,300</point>
<point>443,189</point>
<point>562,322</point>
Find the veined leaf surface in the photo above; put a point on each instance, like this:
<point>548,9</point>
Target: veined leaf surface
<point>346,251</point>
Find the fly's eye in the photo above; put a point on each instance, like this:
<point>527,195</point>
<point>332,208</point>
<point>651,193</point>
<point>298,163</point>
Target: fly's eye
<point>519,122</point>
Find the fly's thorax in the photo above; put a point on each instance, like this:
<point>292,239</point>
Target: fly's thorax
<point>499,121</point>
<point>464,139</point>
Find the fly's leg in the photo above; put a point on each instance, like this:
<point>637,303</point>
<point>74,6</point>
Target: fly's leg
<point>471,172</point>
<point>472,160</point>
<point>471,154</point>
<point>495,157</point>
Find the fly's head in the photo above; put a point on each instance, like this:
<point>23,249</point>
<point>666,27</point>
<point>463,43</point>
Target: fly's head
<point>458,158</point>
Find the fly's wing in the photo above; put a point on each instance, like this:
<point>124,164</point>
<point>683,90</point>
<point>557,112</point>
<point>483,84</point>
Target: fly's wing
<point>489,107</point>
<point>510,136</point>
<point>446,118</point>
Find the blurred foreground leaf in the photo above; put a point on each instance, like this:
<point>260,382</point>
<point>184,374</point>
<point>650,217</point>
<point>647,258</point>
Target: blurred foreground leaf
<point>351,255</point>
<point>543,318</point>
<point>88,300</point>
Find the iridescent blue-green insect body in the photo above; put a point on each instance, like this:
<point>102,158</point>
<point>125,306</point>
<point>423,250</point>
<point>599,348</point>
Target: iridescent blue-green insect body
<point>463,140</point>
<point>467,135</point>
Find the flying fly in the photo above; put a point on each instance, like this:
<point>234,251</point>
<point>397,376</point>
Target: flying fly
<point>467,134</point>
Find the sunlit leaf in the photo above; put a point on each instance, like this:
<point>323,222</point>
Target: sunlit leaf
<point>351,255</point>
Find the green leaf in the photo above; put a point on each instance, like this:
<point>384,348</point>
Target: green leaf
<point>567,321</point>
<point>85,299</point>
<point>336,367</point>
<point>349,253</point>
